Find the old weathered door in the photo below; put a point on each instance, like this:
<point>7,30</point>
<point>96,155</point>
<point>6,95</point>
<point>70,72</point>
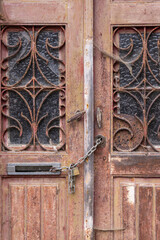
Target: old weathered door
<point>127,91</point>
<point>41,87</point>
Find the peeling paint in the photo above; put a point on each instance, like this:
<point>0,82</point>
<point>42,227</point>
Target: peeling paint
<point>131,194</point>
<point>88,178</point>
<point>109,157</point>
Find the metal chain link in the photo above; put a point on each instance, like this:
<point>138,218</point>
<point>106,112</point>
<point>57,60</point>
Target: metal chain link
<point>80,160</point>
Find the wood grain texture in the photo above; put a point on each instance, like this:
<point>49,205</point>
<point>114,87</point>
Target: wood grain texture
<point>129,213</point>
<point>135,165</point>
<point>49,212</point>
<point>145,212</point>
<point>102,88</point>
<point>17,209</point>
<point>34,209</point>
<point>35,12</point>
<point>157,213</point>
<point>70,14</point>
<point>135,13</point>
<point>118,203</point>
<point>136,208</point>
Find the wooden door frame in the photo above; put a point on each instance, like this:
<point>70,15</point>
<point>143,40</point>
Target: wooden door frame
<point>88,120</point>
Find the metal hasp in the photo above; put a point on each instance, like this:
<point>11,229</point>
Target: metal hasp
<point>77,117</point>
<point>32,168</point>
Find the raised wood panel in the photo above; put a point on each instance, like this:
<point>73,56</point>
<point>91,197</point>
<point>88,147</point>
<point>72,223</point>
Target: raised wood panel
<point>33,209</point>
<point>51,1</point>
<point>135,13</point>
<point>27,12</point>
<point>127,1</point>
<point>17,212</point>
<point>135,165</point>
<point>136,208</point>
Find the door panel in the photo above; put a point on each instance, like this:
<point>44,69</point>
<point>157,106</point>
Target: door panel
<point>23,113</point>
<point>127,170</point>
<point>27,11</point>
<point>34,208</point>
<point>136,208</point>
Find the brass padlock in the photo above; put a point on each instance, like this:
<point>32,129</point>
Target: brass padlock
<point>75,171</point>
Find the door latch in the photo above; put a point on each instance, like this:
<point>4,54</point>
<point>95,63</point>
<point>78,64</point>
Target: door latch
<point>78,115</point>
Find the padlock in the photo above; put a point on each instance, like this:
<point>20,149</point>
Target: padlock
<point>75,171</point>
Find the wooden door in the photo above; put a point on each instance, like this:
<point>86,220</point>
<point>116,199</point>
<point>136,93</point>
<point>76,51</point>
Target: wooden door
<point>41,87</point>
<point>127,85</point>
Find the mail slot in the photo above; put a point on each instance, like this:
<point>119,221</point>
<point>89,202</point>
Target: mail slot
<point>32,168</point>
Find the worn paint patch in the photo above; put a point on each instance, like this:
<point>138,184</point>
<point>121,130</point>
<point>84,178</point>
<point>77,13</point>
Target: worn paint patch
<point>88,178</point>
<point>131,194</point>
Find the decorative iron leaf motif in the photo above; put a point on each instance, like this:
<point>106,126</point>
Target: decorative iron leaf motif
<point>33,88</point>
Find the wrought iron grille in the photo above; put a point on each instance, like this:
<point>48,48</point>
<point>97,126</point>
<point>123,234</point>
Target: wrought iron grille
<point>136,89</point>
<point>33,88</point>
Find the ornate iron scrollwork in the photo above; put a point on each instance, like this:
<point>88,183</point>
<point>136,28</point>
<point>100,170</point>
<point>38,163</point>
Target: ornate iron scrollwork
<point>33,88</point>
<point>136,89</point>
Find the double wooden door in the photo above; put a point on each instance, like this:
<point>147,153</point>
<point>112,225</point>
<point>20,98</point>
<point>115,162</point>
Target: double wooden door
<point>46,58</point>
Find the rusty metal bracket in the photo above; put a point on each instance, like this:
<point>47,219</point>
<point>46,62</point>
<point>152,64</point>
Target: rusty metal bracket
<point>103,140</point>
<point>77,116</point>
<point>109,230</point>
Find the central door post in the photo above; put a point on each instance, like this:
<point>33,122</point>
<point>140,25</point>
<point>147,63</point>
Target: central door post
<point>88,120</point>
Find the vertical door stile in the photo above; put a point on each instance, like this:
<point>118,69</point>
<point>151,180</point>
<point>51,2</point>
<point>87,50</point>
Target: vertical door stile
<point>89,119</point>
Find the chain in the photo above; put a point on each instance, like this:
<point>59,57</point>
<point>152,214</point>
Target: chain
<point>80,160</point>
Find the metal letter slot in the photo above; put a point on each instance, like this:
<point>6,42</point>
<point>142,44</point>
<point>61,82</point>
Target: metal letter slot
<point>32,168</point>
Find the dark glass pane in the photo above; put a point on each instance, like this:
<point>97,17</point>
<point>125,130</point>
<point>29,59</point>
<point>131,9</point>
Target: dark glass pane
<point>153,71</point>
<point>51,108</point>
<point>17,68</point>
<point>130,104</point>
<point>126,40</point>
<point>154,113</point>
<point>18,109</point>
<point>50,70</point>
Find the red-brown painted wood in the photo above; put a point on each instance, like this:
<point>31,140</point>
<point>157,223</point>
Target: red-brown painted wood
<point>33,212</point>
<point>145,212</point>
<point>46,210</point>
<point>117,175</point>
<point>157,213</point>
<point>49,211</point>
<point>34,208</point>
<point>129,212</point>
<point>17,208</point>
